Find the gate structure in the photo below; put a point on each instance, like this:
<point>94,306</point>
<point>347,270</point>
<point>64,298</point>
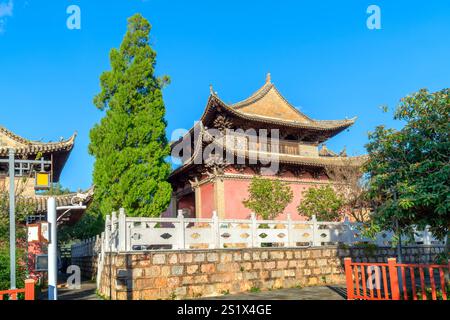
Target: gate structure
<point>396,281</point>
<point>28,292</point>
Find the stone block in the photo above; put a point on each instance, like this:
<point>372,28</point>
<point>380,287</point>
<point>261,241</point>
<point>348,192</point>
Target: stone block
<point>201,279</point>
<point>226,257</point>
<point>264,255</point>
<point>185,257</point>
<point>173,282</point>
<point>165,271</point>
<point>212,257</point>
<point>159,259</point>
<point>276,255</point>
<point>173,259</point>
<point>177,270</point>
<point>192,269</point>
<point>269,265</point>
<point>153,271</point>
<point>208,268</point>
<point>277,273</point>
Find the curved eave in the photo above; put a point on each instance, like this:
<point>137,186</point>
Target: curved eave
<point>39,202</point>
<point>321,161</point>
<point>317,125</point>
<point>30,148</point>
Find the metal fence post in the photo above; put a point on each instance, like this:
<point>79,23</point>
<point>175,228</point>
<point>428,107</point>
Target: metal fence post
<point>12,221</point>
<point>393,278</point>
<point>216,230</point>
<point>349,278</point>
<point>181,231</point>
<point>29,289</point>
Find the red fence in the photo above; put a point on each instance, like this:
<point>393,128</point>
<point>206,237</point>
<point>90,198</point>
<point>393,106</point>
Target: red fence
<point>396,281</point>
<point>28,291</point>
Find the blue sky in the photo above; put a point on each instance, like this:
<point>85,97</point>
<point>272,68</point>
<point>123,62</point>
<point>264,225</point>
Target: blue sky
<point>321,55</point>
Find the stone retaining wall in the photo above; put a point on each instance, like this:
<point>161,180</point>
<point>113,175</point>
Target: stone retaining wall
<point>88,266</point>
<point>202,273</point>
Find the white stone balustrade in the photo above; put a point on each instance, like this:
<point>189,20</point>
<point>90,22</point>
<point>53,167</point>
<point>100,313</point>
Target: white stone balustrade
<point>125,234</point>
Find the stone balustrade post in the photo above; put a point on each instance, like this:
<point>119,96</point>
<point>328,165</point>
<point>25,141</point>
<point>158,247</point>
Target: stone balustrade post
<point>253,229</point>
<point>113,243</point>
<point>290,231</point>
<point>181,231</point>
<point>122,246</point>
<point>216,231</point>
<point>107,238</point>
<point>316,234</point>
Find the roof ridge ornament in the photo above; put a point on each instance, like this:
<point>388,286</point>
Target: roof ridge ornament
<point>268,78</point>
<point>211,90</point>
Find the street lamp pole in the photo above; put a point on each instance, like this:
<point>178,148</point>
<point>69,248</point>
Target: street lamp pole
<point>12,221</point>
<point>52,250</point>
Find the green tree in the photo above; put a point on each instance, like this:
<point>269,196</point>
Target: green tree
<point>409,169</point>
<point>130,144</point>
<point>90,225</point>
<point>23,209</point>
<point>323,202</point>
<point>268,197</point>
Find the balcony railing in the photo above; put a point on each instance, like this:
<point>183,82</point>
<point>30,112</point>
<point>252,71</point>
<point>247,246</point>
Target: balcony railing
<point>242,142</point>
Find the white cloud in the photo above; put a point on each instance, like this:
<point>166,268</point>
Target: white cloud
<point>6,10</point>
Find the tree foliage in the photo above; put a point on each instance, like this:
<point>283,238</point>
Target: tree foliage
<point>23,209</point>
<point>351,186</point>
<point>268,197</point>
<point>323,202</point>
<point>130,144</point>
<point>409,169</point>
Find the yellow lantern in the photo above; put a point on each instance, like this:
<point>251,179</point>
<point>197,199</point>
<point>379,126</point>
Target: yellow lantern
<point>42,181</point>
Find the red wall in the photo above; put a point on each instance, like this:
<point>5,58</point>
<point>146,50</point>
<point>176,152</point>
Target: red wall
<point>188,202</point>
<point>237,190</point>
<point>207,196</point>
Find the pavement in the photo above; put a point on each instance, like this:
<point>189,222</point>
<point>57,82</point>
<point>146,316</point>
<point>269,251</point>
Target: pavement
<point>307,293</point>
<point>88,292</point>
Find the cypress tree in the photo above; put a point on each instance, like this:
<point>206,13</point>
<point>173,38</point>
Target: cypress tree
<point>130,144</point>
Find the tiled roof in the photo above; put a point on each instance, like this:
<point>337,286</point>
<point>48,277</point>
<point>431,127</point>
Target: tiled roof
<point>29,147</point>
<point>318,161</point>
<point>325,152</point>
<point>40,201</point>
<point>267,105</point>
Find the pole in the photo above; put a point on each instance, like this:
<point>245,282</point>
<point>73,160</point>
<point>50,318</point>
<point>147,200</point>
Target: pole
<point>397,230</point>
<point>52,250</point>
<point>12,221</point>
<point>399,248</point>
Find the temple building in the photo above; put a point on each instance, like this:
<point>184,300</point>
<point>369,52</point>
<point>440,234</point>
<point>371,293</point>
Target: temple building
<point>33,160</point>
<point>53,157</point>
<point>229,146</point>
